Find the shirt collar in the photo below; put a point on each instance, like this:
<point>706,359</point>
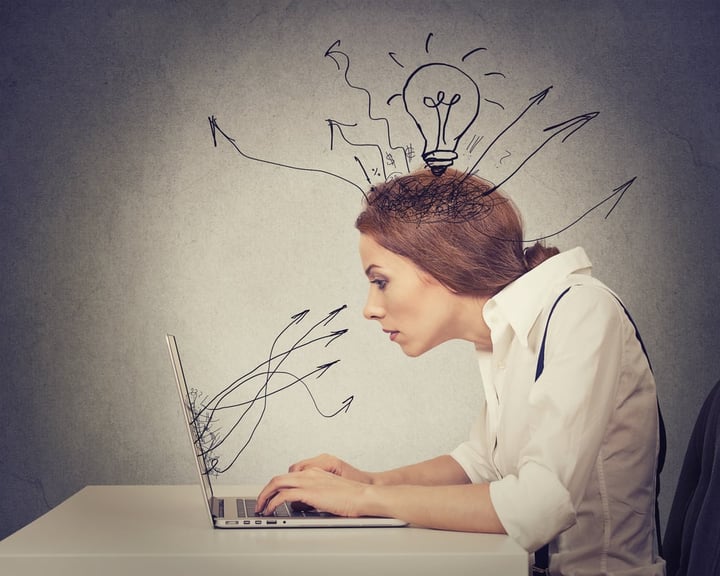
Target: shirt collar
<point>520,303</point>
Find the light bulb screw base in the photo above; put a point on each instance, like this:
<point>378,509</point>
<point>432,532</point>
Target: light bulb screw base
<point>439,160</point>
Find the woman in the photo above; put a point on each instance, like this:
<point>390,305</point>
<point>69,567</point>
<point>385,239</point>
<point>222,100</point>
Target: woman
<point>565,449</point>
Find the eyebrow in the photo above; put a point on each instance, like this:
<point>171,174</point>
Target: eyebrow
<point>370,269</point>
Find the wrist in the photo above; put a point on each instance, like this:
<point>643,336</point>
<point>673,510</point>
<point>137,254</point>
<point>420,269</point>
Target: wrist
<point>372,478</point>
<point>372,501</point>
<point>378,479</point>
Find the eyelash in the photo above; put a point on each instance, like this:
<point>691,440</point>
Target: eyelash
<point>379,282</point>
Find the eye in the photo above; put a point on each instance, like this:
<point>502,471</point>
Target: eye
<point>379,282</point>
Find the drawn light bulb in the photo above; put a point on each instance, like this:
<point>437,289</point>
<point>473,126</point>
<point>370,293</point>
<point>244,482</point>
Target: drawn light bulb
<point>444,102</point>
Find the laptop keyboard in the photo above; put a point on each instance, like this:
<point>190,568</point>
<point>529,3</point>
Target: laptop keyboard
<point>246,509</point>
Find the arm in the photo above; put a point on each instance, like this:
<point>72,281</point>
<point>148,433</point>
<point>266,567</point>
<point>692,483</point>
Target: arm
<point>442,470</point>
<point>464,506</point>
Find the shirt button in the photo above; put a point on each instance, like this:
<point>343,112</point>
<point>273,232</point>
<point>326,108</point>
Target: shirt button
<point>501,366</point>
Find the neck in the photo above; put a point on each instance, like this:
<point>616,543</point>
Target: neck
<point>474,328</point>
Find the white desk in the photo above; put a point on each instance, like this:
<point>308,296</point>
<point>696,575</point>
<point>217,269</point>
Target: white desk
<point>164,530</point>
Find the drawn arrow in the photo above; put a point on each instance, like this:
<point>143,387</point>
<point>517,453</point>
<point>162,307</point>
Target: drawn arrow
<point>367,178</point>
<point>210,440</point>
<point>575,123</point>
<point>335,335</point>
<point>333,54</point>
<point>333,124</point>
<point>568,127</point>
<point>345,406</point>
<point>262,395</point>
<point>300,316</point>
<point>619,190</point>
<point>534,101</point>
<point>325,367</point>
<point>215,129</point>
<point>251,375</point>
<point>215,403</point>
<point>320,370</point>
<point>334,313</point>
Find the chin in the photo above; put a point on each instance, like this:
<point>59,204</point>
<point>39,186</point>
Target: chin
<point>415,351</point>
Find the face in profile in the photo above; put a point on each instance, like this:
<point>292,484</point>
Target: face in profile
<point>413,308</point>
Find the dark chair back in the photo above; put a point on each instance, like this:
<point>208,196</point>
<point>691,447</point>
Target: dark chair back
<point>691,546</point>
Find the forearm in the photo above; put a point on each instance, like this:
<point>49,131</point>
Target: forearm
<point>441,471</point>
<point>458,507</point>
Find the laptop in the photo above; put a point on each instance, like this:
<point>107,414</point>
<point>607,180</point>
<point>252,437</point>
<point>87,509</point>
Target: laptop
<point>239,511</point>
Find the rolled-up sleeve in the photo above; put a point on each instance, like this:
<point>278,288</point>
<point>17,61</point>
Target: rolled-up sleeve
<point>532,506</point>
<point>474,457</point>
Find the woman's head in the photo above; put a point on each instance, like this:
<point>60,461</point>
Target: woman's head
<point>456,227</point>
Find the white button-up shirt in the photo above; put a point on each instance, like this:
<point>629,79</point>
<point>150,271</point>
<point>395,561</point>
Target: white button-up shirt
<point>571,458</point>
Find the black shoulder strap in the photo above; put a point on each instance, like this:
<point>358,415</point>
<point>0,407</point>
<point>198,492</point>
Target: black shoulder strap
<point>542,556</point>
<point>541,355</point>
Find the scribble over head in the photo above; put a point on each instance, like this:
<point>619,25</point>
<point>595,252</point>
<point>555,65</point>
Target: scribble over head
<point>457,227</point>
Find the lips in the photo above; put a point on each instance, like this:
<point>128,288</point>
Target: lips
<point>392,333</point>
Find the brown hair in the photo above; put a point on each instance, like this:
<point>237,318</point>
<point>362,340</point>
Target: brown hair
<point>457,227</point>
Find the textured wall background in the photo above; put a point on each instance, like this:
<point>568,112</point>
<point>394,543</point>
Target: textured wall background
<point>120,220</point>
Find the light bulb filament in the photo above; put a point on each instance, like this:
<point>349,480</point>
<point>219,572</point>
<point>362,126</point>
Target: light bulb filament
<point>442,115</point>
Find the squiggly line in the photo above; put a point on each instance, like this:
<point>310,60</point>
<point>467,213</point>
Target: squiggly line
<point>318,372</point>
<point>332,53</point>
<point>335,125</point>
<point>205,411</point>
<point>296,319</point>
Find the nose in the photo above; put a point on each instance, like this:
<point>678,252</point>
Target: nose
<point>373,309</point>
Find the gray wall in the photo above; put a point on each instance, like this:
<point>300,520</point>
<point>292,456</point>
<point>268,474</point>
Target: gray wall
<point>120,220</point>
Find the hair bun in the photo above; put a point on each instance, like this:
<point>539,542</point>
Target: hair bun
<point>537,254</point>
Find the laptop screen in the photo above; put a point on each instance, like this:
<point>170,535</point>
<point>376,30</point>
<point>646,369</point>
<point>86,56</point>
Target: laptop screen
<point>193,423</point>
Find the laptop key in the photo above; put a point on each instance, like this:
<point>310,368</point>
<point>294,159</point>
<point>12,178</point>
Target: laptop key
<point>250,505</point>
<point>282,511</point>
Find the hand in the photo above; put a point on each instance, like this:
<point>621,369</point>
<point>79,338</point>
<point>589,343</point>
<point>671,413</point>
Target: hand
<point>315,487</point>
<point>335,466</point>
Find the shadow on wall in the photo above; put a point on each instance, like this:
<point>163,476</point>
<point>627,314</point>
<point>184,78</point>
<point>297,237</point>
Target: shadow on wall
<point>22,500</point>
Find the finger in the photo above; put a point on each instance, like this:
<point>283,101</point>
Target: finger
<point>323,461</point>
<point>262,499</point>
<point>270,489</point>
<point>300,506</point>
<point>275,486</point>
<point>291,496</point>
<point>304,464</point>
